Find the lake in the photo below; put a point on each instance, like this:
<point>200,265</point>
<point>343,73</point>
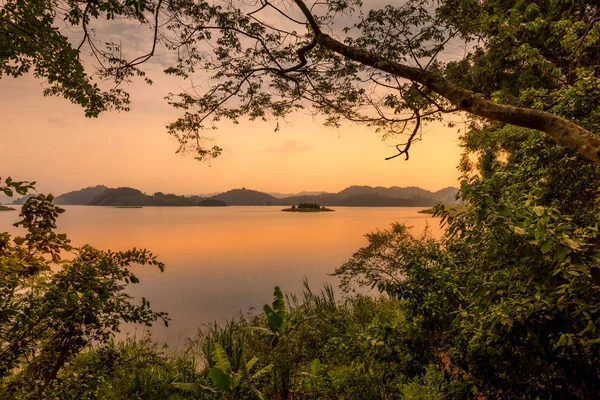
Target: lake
<point>222,260</point>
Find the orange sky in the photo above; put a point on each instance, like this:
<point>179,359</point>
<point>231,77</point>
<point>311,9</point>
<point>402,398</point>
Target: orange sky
<point>49,140</point>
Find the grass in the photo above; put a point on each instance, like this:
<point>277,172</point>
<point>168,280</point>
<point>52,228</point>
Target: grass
<point>329,349</point>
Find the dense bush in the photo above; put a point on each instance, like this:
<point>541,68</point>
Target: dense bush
<point>309,205</point>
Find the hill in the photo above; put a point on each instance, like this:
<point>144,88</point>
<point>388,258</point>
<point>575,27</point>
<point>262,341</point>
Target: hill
<point>123,196</point>
<point>418,195</point>
<point>352,196</point>
<point>22,200</point>
<point>379,196</point>
<point>126,196</point>
<point>304,193</point>
<point>247,197</point>
<point>80,197</point>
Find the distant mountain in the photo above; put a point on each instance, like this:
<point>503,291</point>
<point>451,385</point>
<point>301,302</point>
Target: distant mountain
<point>368,196</point>
<point>247,197</point>
<point>123,196</point>
<point>445,196</point>
<point>126,196</point>
<point>283,196</point>
<point>75,197</point>
<point>173,200</point>
<point>353,196</point>
<point>373,200</point>
<point>80,197</point>
<point>23,199</point>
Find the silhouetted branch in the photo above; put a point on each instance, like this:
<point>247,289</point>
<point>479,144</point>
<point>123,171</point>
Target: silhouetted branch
<point>411,139</point>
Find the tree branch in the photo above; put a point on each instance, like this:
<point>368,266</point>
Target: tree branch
<point>411,139</point>
<point>564,132</point>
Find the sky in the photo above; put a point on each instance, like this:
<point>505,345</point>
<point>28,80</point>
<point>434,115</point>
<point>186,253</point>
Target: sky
<point>49,140</point>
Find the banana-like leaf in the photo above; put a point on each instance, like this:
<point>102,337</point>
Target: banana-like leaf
<point>236,381</point>
<point>193,387</point>
<point>220,379</point>
<point>251,363</point>
<point>257,394</point>
<point>220,358</point>
<point>259,329</point>
<point>279,306</point>
<point>262,371</point>
<point>274,319</point>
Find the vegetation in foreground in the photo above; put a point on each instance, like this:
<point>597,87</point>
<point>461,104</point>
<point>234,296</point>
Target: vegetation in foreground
<point>311,347</point>
<point>497,311</point>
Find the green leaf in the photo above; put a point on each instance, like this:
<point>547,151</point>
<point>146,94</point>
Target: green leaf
<point>219,356</point>
<point>262,371</point>
<point>251,363</point>
<point>315,367</point>
<point>221,380</point>
<point>278,303</point>
<point>546,245</point>
<point>275,320</point>
<point>193,387</point>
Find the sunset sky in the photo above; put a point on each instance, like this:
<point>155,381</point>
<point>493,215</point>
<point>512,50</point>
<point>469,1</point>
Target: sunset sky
<point>49,140</point>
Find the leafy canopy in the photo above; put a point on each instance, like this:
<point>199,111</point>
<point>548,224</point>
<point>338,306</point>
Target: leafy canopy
<point>393,67</point>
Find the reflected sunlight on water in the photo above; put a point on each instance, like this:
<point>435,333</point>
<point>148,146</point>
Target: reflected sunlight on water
<point>220,261</point>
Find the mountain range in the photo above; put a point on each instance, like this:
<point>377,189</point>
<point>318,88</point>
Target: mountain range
<point>353,196</point>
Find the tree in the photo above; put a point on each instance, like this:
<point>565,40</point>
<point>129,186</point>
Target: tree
<point>57,300</point>
<point>270,59</point>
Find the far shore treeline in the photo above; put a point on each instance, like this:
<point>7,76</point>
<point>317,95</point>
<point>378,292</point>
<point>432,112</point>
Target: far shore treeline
<point>353,196</point>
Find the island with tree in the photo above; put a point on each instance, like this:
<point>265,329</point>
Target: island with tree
<point>308,207</point>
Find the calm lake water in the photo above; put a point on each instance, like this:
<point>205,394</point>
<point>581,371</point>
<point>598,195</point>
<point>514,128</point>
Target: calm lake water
<point>220,261</point>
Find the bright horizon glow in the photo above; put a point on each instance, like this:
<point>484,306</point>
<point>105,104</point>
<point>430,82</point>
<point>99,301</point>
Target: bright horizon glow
<point>48,140</point>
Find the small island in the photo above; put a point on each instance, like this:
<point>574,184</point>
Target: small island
<point>307,207</point>
<point>6,208</point>
<point>129,207</point>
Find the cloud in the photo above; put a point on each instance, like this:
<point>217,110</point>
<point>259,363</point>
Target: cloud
<point>290,146</point>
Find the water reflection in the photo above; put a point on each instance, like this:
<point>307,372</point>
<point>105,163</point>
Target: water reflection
<point>224,260</point>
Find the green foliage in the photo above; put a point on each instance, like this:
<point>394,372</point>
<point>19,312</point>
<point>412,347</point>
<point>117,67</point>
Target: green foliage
<point>130,369</point>
<point>224,380</point>
<point>30,42</point>
<point>276,316</point>
<point>56,300</point>
<point>10,187</point>
<point>509,298</point>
